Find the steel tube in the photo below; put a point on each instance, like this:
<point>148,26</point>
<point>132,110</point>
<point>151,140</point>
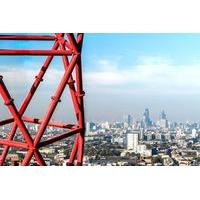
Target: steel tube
<point>6,121</point>
<point>27,37</point>
<point>71,80</point>
<point>54,101</point>
<point>28,98</point>
<point>14,143</point>
<point>39,158</point>
<point>28,157</point>
<point>65,45</point>
<point>73,151</point>
<point>13,110</point>
<point>51,123</point>
<point>72,41</point>
<point>58,137</point>
<point>79,142</point>
<point>18,52</point>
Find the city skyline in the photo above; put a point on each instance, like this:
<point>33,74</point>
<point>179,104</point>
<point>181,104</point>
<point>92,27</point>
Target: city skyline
<point>129,118</point>
<point>125,73</point>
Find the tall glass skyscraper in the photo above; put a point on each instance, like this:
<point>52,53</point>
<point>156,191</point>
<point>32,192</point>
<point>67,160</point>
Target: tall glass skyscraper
<point>146,121</point>
<point>128,120</point>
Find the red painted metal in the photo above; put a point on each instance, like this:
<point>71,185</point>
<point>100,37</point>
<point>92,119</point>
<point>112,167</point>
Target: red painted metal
<point>39,121</point>
<point>69,47</point>
<point>59,137</point>
<point>51,123</point>
<point>16,52</point>
<point>28,37</point>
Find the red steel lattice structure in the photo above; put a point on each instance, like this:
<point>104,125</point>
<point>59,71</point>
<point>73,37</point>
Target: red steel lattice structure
<point>68,46</point>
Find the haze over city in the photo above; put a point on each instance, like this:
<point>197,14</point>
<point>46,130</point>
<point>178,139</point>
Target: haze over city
<point>123,73</point>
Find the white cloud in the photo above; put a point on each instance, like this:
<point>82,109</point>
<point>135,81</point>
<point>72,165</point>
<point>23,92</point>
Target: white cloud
<point>150,74</point>
<point>16,77</point>
<point>19,82</point>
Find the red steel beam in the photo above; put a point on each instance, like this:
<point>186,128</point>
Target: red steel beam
<point>51,123</point>
<point>81,93</point>
<point>39,158</point>
<point>55,99</point>
<point>77,149</point>
<point>73,152</point>
<point>58,137</point>
<point>6,121</point>
<point>14,144</point>
<point>28,98</point>
<point>68,47</point>
<point>19,52</point>
<point>77,46</point>
<point>72,41</point>
<point>71,82</point>
<point>29,155</point>
<point>27,37</point>
<point>12,108</point>
<point>52,107</point>
<point>39,121</point>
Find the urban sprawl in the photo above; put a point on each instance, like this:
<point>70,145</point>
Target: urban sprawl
<point>126,143</point>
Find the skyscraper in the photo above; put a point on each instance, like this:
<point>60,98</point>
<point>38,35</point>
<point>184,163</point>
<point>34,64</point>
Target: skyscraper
<point>141,134</point>
<point>90,127</point>
<point>163,115</point>
<point>146,121</point>
<point>128,120</point>
<point>163,120</point>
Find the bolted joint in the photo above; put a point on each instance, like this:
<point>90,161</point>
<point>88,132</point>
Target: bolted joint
<point>71,83</point>
<point>82,94</point>
<point>62,41</point>
<point>36,120</point>
<point>54,98</point>
<point>69,164</point>
<point>36,77</point>
<point>43,68</point>
<point>33,148</point>
<point>75,52</point>
<point>9,102</point>
<point>84,129</point>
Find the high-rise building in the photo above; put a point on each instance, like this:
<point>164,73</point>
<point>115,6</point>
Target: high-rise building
<point>163,115</point>
<point>128,121</point>
<point>90,127</point>
<point>163,122</point>
<point>132,140</point>
<point>194,133</point>
<point>146,121</point>
<point>141,134</point>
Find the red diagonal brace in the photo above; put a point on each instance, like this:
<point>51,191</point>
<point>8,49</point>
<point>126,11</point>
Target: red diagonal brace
<point>70,50</point>
<point>28,99</point>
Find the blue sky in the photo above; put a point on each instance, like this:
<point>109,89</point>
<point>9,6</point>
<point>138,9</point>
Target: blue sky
<point>123,73</point>
<point>182,48</point>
